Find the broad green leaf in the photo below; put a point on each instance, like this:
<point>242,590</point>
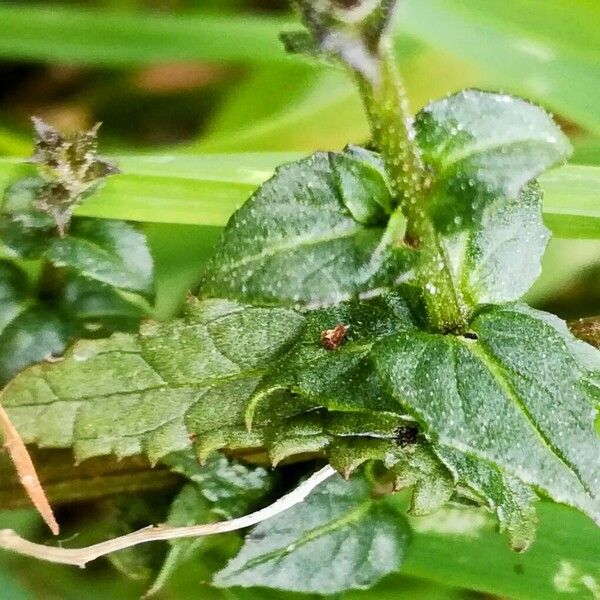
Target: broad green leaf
<point>487,396</point>
<point>483,147</point>
<point>339,538</point>
<point>206,189</point>
<point>190,377</point>
<point>313,234</point>
<point>111,252</point>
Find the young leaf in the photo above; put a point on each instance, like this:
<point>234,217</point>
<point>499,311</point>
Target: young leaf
<point>487,395</point>
<point>315,233</point>
<point>192,376</point>
<point>340,538</point>
<point>500,259</point>
<point>110,252</point>
<point>482,147</point>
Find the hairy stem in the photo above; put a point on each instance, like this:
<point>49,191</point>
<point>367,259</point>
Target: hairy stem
<point>9,540</point>
<point>393,133</point>
<point>391,126</point>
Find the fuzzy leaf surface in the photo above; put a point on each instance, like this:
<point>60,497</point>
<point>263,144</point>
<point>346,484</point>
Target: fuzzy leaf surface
<point>192,376</point>
<point>342,379</point>
<point>489,397</point>
<point>511,500</point>
<point>339,525</point>
<point>315,233</point>
<point>481,147</point>
<point>499,258</point>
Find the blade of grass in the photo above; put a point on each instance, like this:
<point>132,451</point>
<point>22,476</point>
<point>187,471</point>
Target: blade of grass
<point>55,33</point>
<point>549,51</point>
<point>459,547</point>
<point>206,189</point>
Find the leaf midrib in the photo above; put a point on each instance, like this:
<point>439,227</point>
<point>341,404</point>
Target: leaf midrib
<point>482,353</point>
<point>295,243</point>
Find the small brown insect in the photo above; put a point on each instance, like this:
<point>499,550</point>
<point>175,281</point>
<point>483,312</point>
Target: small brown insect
<point>332,339</point>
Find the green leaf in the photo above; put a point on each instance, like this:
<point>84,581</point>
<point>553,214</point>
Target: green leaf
<point>98,307</point>
<point>221,489</point>
<point>313,234</point>
<point>340,538</point>
<point>483,147</point>
<point>487,396</point>
<point>192,376</point>
<point>499,259</point>
<point>512,501</point>
<point>231,487</point>
<point>111,252</point>
<point>29,331</point>
<point>19,203</point>
<point>34,335</point>
<point>344,378</point>
<point>417,467</point>
<point>14,296</point>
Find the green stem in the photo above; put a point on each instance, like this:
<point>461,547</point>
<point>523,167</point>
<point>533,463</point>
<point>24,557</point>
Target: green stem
<point>393,133</point>
<point>391,126</point>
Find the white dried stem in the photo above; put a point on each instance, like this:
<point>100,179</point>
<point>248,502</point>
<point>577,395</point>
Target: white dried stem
<point>10,540</point>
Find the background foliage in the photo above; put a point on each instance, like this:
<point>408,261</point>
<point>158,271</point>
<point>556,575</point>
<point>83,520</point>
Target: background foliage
<point>200,103</point>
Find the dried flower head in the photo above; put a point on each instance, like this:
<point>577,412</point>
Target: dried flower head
<point>70,167</point>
